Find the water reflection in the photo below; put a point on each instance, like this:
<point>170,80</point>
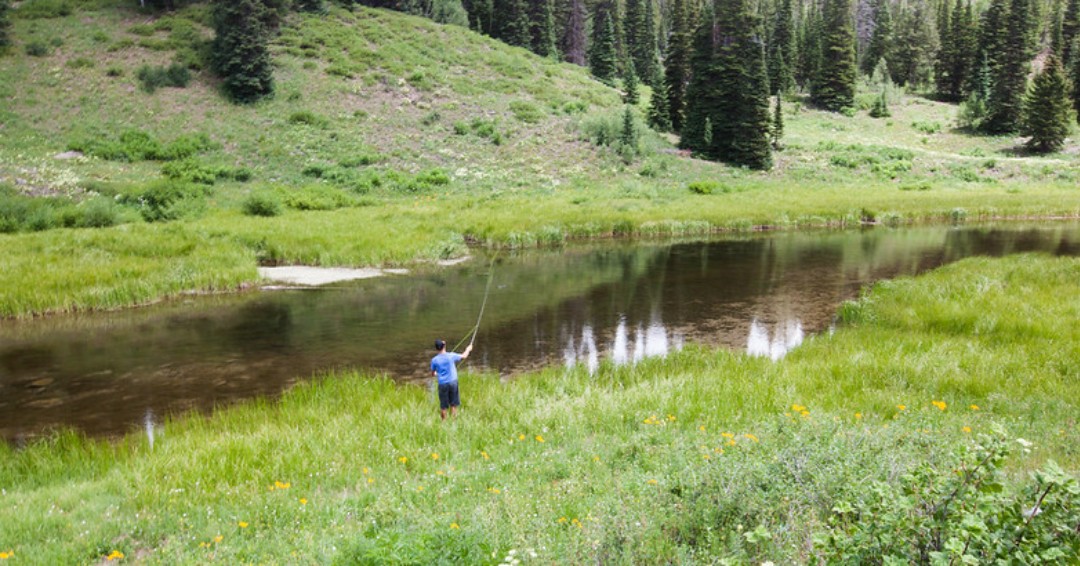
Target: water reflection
<point>111,373</point>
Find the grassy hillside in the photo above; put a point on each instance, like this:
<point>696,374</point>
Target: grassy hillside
<point>393,139</point>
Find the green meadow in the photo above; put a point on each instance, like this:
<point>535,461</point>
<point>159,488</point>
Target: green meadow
<point>380,150</point>
<point>702,456</point>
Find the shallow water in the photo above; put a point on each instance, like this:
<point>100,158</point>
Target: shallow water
<point>112,373</point>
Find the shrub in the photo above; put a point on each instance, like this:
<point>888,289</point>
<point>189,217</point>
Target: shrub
<point>114,71</point>
<point>80,63</point>
<point>707,187</point>
<point>262,204</point>
<point>926,127</point>
<point>37,48</point>
<point>308,118</point>
<point>193,171</point>
<point>153,78</point>
<point>43,9</point>
<point>316,197</point>
<point>526,111</point>
<point>136,145</point>
<point>169,200</point>
<point>98,212</point>
<point>362,160</point>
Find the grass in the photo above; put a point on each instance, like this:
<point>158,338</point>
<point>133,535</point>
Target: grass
<point>677,459</point>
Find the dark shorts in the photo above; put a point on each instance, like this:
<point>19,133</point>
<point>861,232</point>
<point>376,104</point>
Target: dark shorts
<point>448,395</point>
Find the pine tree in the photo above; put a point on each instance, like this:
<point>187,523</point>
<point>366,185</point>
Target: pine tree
<point>1005,107</point>
<point>834,86</point>
<point>879,39</point>
<point>602,53</point>
<point>648,52</point>
<point>630,85</point>
<point>989,44</point>
<point>481,16</point>
<point>955,56</point>
<point>241,55</point>
<point>677,64</point>
<point>728,95</point>
<point>5,37</point>
<point>542,20</point>
<point>634,35</point>
<point>1075,77</point>
<point>1047,109</point>
<point>782,50</point>
<point>1070,27</point>
<point>809,50</point>
<point>512,22</point>
<point>778,123</point>
<point>628,136</point>
<point>659,116</point>
<point>946,52</point>
<point>574,35</point>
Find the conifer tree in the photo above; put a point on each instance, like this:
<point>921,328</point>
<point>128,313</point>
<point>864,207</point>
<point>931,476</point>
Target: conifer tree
<point>782,50</point>
<point>945,53</point>
<point>778,123</point>
<point>5,37</point>
<point>634,35</point>
<point>648,54</point>
<point>1005,107</point>
<point>512,23</point>
<point>990,42</point>
<point>542,22</point>
<point>316,6</point>
<point>241,55</point>
<point>574,35</point>
<point>659,116</point>
<point>628,136</point>
<point>728,95</point>
<point>630,85</point>
<point>880,39</point>
<point>602,53</point>
<point>1070,27</point>
<point>809,50</point>
<point>834,86</point>
<point>481,16</point>
<point>1074,76</point>
<point>955,58</point>
<point>911,60</point>
<point>677,63</point>
<point>1047,109</point>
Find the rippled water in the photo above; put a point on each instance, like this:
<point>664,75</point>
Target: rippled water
<point>111,373</point>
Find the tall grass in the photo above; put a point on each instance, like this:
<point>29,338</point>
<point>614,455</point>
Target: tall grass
<point>694,457</point>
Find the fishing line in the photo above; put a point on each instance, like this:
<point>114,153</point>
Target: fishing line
<point>471,335</point>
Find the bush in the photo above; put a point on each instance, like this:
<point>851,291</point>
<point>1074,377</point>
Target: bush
<point>262,204</point>
<point>80,63</point>
<point>37,48</point>
<point>307,118</point>
<point>526,111</point>
<point>153,78</point>
<point>20,213</point>
<point>114,71</point>
<point>169,200</point>
<point>708,187</point>
<point>926,127</point>
<point>136,145</point>
<point>316,197</point>
<point>43,9</point>
<point>98,212</point>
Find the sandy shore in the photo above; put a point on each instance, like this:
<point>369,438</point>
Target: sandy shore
<point>312,276</point>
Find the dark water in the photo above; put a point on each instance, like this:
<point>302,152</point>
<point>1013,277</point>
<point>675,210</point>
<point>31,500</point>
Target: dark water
<point>109,373</point>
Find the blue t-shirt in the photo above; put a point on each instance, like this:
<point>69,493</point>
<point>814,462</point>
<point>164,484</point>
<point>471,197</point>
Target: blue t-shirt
<point>444,366</point>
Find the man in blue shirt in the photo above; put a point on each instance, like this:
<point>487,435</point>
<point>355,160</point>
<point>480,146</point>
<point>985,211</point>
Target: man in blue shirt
<point>444,366</point>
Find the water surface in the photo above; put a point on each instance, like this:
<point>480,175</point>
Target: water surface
<point>109,373</point>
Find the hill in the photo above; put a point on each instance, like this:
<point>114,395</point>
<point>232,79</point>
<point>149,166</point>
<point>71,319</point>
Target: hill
<point>392,139</point>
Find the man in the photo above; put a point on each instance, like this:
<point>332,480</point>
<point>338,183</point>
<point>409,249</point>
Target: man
<point>444,366</point>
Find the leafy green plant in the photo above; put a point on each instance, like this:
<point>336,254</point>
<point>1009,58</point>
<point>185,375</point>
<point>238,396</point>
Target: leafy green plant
<point>262,203</point>
<point>136,145</point>
<point>37,48</point>
<point>43,9</point>
<point>962,513</point>
<point>526,111</point>
<point>167,200</point>
<point>153,78</point>
<point>308,118</point>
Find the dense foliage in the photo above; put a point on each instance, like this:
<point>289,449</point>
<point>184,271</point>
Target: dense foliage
<point>241,48</point>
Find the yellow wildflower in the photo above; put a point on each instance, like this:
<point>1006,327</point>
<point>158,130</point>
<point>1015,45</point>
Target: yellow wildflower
<point>495,490</point>
<point>219,538</point>
<point>705,456</point>
<point>403,459</point>
<point>439,472</point>
<point>419,488</point>
<point>805,413</point>
<point>521,437</point>
<point>282,485</point>
<point>539,438</point>
<point>939,404</point>
<point>671,418</point>
<point>366,471</point>
<point>751,437</point>
<point>731,442</point>
<point>727,435</point>
<point>243,524</point>
<point>595,458</point>
<point>798,408</point>
<point>858,416</point>
<point>371,480</point>
<point>484,454</point>
<point>303,501</point>
<point>115,555</point>
<point>701,428</point>
<point>651,482</point>
<point>561,520</point>
<point>6,555</point>
<point>902,407</point>
<point>434,456</point>
<point>454,526</point>
<point>966,429</point>
<point>974,407</point>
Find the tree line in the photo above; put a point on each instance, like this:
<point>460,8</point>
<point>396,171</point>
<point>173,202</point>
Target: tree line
<point>719,69</point>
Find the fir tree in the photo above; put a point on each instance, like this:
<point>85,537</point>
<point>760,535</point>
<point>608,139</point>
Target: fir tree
<point>542,19</point>
<point>728,93</point>
<point>782,50</point>
<point>659,116</point>
<point>630,85</point>
<point>628,136</point>
<point>481,15</point>
<point>1005,107</point>
<point>879,39</point>
<point>880,109</point>
<point>634,35</point>
<point>1075,77</point>
<point>574,36</point>
<point>1070,27</point>
<point>1047,109</point>
<point>5,37</point>
<point>778,123</point>
<point>677,64</point>
<point>834,86</point>
<point>955,56</point>
<point>911,59</point>
<point>512,22</point>
<point>989,45</point>
<point>241,55</point>
<point>647,56</point>
<point>602,53</point>
<point>809,50</point>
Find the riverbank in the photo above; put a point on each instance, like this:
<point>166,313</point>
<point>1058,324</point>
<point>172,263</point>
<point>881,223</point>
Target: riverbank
<point>700,455</point>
